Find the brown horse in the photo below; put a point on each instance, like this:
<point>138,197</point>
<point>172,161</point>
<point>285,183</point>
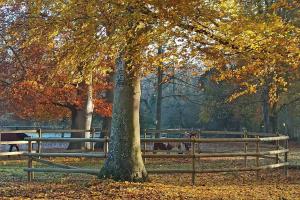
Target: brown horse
<point>13,137</point>
<point>170,145</point>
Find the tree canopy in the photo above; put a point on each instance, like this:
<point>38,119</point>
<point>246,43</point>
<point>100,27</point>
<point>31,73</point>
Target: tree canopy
<point>254,45</point>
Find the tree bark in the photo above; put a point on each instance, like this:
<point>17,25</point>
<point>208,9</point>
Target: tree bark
<point>106,121</point>
<point>82,119</point>
<point>77,123</point>
<point>158,101</point>
<point>124,160</point>
<point>274,122</point>
<point>109,96</point>
<point>274,118</point>
<point>88,112</point>
<point>265,108</point>
<point>159,96</point>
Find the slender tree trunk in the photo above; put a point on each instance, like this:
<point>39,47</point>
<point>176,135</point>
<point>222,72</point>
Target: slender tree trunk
<point>265,108</point>
<point>274,119</point>
<point>124,160</point>
<point>109,96</point>
<point>274,122</point>
<point>159,76</point>
<point>159,96</point>
<point>106,122</point>
<point>78,116</point>
<point>105,131</point>
<point>88,111</point>
<point>82,119</point>
<point>158,101</point>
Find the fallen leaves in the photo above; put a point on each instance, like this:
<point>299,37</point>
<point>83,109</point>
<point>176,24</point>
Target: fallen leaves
<point>208,186</point>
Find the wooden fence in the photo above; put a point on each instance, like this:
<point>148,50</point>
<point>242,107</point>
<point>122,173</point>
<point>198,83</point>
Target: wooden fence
<point>37,157</point>
<point>39,134</point>
<point>6,153</point>
<point>196,140</point>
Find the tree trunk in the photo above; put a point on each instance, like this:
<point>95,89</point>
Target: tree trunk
<point>109,96</point>
<point>124,160</point>
<point>106,127</point>
<point>274,123</point>
<point>88,111</point>
<point>274,119</point>
<point>106,121</point>
<point>105,131</point>
<point>159,96</point>
<point>158,101</point>
<point>265,108</point>
<point>78,116</point>
<point>82,119</point>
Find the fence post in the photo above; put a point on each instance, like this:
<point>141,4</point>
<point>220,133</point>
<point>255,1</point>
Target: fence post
<point>105,146</point>
<point>257,157</point>
<point>39,149</point>
<point>145,145</point>
<point>199,136</point>
<point>153,143</point>
<point>245,146</point>
<point>277,148</point>
<point>93,136</point>
<point>286,146</point>
<point>29,173</point>
<point>193,161</point>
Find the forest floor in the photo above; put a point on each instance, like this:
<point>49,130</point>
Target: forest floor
<point>236,185</point>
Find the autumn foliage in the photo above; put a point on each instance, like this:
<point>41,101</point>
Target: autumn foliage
<point>252,46</point>
<point>33,100</point>
<point>59,48</point>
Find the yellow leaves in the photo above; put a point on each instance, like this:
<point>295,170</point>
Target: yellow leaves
<point>90,34</point>
<point>285,4</point>
<point>252,89</point>
<point>91,7</point>
<point>141,25</point>
<point>53,34</point>
<point>281,81</point>
<point>246,89</point>
<point>249,33</point>
<point>230,7</point>
<point>265,50</point>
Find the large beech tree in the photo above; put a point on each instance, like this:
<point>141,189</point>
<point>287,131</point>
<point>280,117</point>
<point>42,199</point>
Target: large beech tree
<point>216,33</point>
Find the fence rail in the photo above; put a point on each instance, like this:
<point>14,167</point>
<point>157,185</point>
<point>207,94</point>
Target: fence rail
<point>193,155</point>
<point>245,138</point>
<point>199,131</point>
<point>39,134</point>
<point>18,131</point>
<point>14,143</point>
<point>196,139</point>
<point>66,139</point>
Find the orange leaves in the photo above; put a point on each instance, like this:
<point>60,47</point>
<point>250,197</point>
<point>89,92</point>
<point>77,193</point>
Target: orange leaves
<point>39,100</point>
<point>27,100</point>
<point>225,186</point>
<point>102,107</point>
